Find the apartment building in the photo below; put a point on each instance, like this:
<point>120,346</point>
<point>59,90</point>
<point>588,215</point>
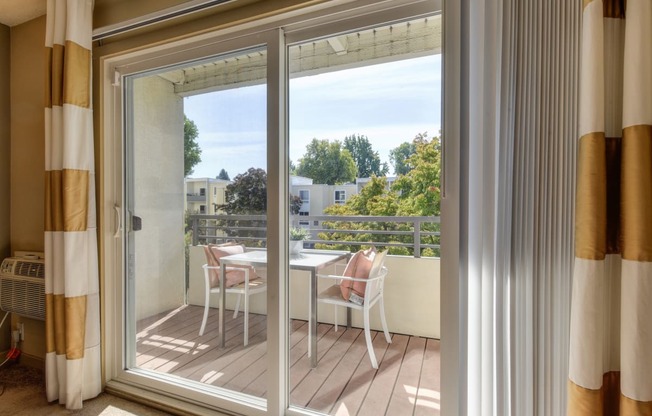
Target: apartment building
<point>204,195</point>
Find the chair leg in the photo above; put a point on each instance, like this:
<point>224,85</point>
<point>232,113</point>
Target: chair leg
<point>246,319</point>
<point>367,336</point>
<point>237,306</point>
<point>388,338</point>
<point>206,306</point>
<point>335,313</point>
<point>309,327</point>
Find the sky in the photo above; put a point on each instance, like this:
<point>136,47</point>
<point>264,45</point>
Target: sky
<point>389,103</point>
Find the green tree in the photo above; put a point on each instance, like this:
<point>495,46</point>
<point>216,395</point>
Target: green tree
<point>367,161</point>
<point>416,193</point>
<point>223,175</point>
<point>399,156</point>
<point>327,163</point>
<point>191,149</point>
<point>247,195</point>
<point>420,188</point>
<point>295,204</point>
<point>374,199</point>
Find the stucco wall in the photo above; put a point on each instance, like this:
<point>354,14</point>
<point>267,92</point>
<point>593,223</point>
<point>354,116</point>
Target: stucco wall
<point>159,195</point>
<point>412,295</point>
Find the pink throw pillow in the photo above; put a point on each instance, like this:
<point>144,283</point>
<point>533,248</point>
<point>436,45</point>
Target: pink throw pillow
<point>232,277</point>
<point>359,267</point>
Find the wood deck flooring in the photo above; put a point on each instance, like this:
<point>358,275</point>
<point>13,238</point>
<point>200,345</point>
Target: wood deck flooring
<point>343,383</point>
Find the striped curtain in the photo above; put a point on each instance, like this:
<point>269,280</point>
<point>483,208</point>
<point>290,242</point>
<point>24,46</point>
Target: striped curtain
<point>72,361</point>
<point>610,366</point>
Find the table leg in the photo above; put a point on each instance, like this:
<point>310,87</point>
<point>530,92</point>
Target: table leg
<point>313,319</point>
<point>309,320</point>
<point>222,302</point>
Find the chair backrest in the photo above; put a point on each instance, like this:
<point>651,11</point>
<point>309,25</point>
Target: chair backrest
<point>214,253</point>
<point>377,265</point>
<point>374,287</point>
<point>213,268</point>
<point>358,266</point>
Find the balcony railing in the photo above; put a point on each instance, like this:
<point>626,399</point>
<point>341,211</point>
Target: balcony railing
<point>196,197</point>
<point>417,236</point>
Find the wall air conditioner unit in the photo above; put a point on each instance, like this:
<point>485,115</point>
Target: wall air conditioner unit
<point>22,286</point>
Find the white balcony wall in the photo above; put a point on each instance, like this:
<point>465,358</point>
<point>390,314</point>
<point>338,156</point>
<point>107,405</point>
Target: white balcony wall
<point>412,295</point>
<point>158,196</point>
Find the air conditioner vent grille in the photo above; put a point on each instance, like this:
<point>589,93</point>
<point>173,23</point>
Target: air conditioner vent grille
<point>22,287</point>
<point>23,297</point>
<point>30,269</point>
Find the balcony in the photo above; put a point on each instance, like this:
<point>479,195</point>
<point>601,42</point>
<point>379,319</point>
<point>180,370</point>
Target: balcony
<point>196,198</point>
<point>407,380</point>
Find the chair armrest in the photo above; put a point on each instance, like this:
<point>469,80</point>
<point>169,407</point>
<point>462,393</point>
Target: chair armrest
<point>244,269</point>
<point>228,268</point>
<point>353,279</point>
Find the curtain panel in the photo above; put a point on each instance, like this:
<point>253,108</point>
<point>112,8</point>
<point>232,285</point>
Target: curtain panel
<point>610,365</point>
<point>72,362</point>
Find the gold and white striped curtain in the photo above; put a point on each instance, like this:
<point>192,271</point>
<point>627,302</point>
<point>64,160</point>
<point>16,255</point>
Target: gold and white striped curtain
<point>73,371</point>
<point>610,367</point>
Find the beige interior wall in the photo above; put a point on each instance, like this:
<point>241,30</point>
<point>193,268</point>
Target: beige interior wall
<point>27,156</point>
<point>27,135</point>
<point>4,162</point>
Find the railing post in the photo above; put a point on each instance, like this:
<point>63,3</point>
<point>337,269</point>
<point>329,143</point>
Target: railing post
<point>195,231</point>
<point>417,238</point>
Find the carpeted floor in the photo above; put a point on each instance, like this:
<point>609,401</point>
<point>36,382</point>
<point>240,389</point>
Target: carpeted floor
<point>22,393</point>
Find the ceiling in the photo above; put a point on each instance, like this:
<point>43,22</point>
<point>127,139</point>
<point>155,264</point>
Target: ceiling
<point>15,12</point>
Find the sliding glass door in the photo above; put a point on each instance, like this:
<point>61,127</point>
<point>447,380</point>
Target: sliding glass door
<point>365,150</point>
<point>325,130</point>
<point>196,191</point>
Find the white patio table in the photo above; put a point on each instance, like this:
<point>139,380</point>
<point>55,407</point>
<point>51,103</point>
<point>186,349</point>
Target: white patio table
<point>307,260</point>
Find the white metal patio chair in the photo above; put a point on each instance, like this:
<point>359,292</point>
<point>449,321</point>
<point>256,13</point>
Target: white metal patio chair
<point>373,293</point>
<point>240,280</point>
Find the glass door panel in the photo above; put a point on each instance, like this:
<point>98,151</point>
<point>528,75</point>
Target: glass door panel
<point>196,194</point>
<point>365,150</point>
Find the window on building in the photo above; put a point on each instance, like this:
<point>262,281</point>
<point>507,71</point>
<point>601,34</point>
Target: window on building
<point>305,196</point>
<point>305,202</point>
<point>202,209</point>
<point>340,197</point>
<point>304,213</point>
<point>202,191</point>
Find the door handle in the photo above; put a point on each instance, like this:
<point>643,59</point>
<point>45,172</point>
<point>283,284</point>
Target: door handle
<point>118,220</point>
<point>136,223</point>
